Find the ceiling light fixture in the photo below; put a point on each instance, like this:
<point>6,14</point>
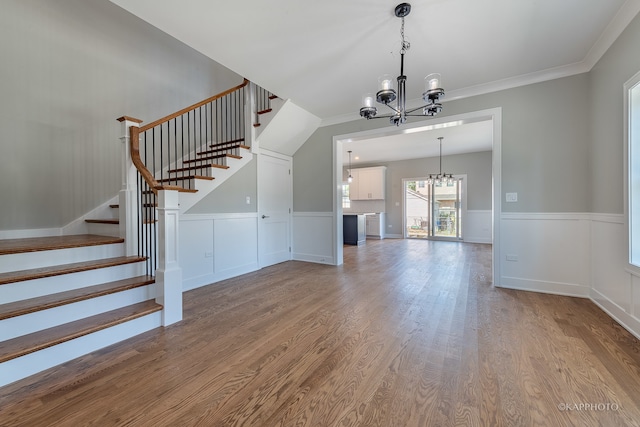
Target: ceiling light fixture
<point>386,94</point>
<point>440,178</point>
<point>349,178</point>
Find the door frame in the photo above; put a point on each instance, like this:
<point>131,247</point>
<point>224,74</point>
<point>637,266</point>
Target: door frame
<point>263,152</point>
<point>492,114</point>
<point>462,212</point>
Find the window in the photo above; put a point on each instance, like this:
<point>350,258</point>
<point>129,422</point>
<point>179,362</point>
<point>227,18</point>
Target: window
<point>346,201</point>
<point>632,95</point>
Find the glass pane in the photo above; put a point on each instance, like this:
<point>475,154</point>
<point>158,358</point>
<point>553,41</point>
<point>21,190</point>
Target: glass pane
<point>445,209</point>
<point>417,209</point>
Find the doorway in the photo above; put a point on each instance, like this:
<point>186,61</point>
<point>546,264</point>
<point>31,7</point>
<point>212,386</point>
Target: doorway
<point>494,115</point>
<point>434,210</point>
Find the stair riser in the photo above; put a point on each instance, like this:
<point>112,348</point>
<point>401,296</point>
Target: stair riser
<point>30,364</point>
<point>104,229</point>
<point>200,172</point>
<point>29,260</point>
<point>194,155</point>
<point>50,285</point>
<point>32,322</point>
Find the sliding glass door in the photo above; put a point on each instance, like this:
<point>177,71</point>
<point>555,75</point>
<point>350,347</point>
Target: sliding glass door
<point>433,211</point>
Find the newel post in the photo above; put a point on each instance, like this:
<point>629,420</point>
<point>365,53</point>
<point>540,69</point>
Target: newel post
<point>128,197</point>
<point>168,273</point>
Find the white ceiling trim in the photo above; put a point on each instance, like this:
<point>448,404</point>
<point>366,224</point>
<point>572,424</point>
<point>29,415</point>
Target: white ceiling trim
<point>613,30</point>
<point>617,25</point>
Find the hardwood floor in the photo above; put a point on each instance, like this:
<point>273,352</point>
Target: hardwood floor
<point>405,333</point>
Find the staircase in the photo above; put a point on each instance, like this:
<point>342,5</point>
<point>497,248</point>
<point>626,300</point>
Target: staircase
<point>65,296</point>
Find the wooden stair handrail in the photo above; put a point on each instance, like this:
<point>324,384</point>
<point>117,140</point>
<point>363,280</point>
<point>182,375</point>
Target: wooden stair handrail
<point>135,139</point>
<point>193,107</point>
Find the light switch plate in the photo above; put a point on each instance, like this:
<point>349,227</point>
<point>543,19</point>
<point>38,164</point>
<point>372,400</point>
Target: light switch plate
<point>512,197</point>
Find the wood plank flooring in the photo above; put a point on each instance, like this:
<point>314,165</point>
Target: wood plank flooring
<point>405,333</point>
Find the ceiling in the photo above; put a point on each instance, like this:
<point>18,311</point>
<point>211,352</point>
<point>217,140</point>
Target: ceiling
<point>324,55</point>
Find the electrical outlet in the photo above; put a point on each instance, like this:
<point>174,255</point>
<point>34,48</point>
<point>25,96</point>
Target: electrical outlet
<point>512,257</point>
<point>208,254</point>
<point>248,200</point>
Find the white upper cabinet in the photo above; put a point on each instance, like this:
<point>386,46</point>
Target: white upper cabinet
<point>368,183</point>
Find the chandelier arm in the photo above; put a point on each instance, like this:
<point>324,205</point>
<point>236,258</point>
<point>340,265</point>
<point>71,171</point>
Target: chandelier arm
<point>397,111</point>
<point>416,109</point>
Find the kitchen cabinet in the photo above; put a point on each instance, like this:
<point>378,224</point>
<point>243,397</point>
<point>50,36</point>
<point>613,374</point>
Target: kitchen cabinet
<point>375,226</point>
<point>354,229</point>
<point>368,183</point>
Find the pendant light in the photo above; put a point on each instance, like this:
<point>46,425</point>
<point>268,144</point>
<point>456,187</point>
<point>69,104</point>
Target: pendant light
<point>440,177</point>
<point>349,178</point>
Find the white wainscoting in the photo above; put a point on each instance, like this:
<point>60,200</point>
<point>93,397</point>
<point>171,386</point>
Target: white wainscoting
<point>614,288</point>
<point>313,237</point>
<point>576,254</point>
<point>545,252</point>
<point>215,247</point>
<point>477,226</point>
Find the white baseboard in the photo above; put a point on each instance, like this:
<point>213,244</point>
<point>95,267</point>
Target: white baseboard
<point>477,240</point>
<point>393,236</point>
<point>555,288</point>
<point>320,259</point>
<point>209,279</point>
<point>627,321</point>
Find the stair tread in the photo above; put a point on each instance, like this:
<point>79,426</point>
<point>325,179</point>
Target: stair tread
<point>45,302</point>
<point>103,221</point>
<point>182,178</point>
<point>232,141</point>
<point>267,110</point>
<point>40,340</point>
<point>57,270</point>
<point>116,206</point>
<point>36,244</point>
<point>188,168</point>
<point>219,156</point>
<point>215,149</point>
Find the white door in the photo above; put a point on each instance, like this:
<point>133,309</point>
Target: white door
<point>274,209</point>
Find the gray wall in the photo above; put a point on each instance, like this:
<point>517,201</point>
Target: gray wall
<point>69,69</point>
<point>607,78</point>
<point>231,195</point>
<point>545,148</point>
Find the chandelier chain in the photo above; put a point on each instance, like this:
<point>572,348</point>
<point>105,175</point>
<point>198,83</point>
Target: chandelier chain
<point>405,44</point>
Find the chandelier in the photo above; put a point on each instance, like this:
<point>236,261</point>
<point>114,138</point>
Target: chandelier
<point>387,95</point>
<point>440,178</point>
